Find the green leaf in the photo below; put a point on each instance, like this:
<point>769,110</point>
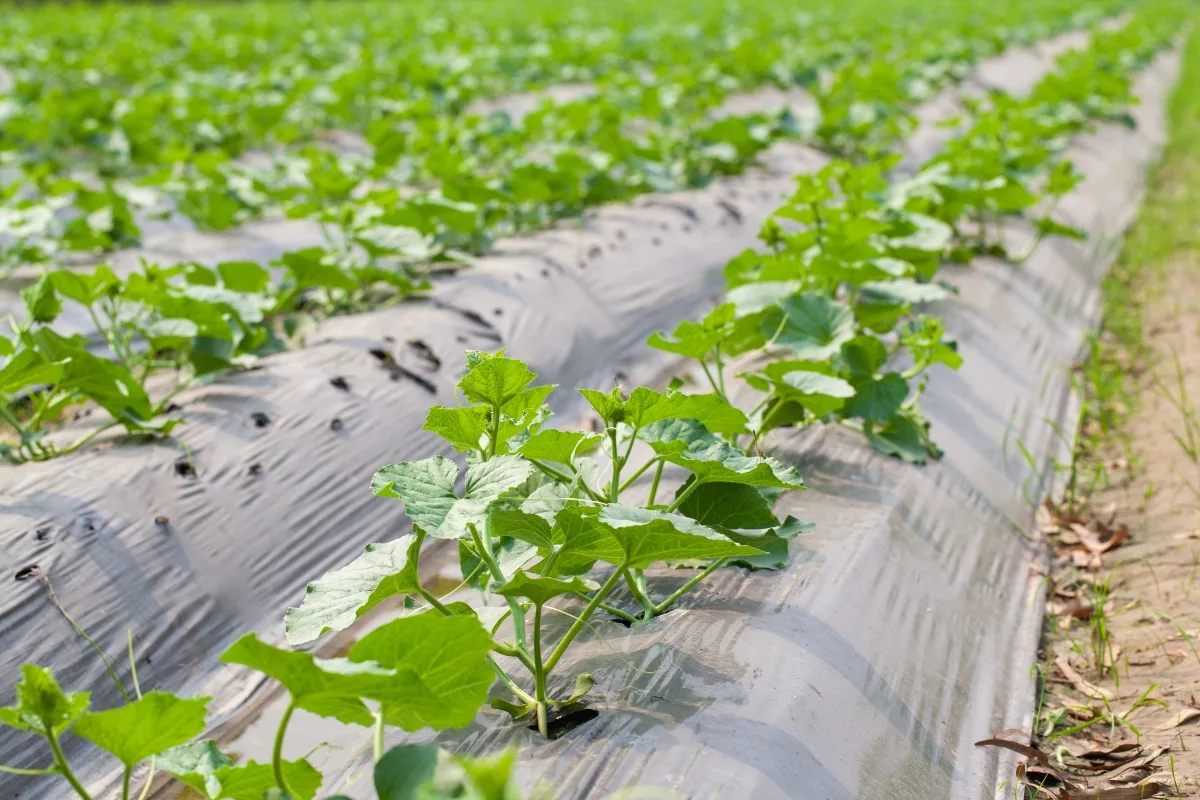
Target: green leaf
<point>540,590</point>
<point>149,725</point>
<point>560,447</point>
<point>30,368</point>
<point>309,270</point>
<point>427,489</point>
<point>863,356</point>
<point>697,339</point>
<point>404,770</point>
<point>244,276</point>
<point>524,527</point>
<point>717,462</point>
<point>899,436</point>
<point>754,297</point>
<point>447,657</point>
<point>195,764</point>
<point>326,687</point>
<point>42,706</point>
<point>343,595</point>
<point>1048,227</point>
<point>819,393</point>
<point>585,540</point>
<point>648,536</point>
<point>464,428</point>
<point>877,399</point>
<point>902,292</point>
<point>728,505</point>
<point>494,379</point>
<point>810,325</point>
<point>41,302</point>
<point>252,781</point>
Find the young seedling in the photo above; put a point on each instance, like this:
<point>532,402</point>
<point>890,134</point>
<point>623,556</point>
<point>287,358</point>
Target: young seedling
<point>542,508</point>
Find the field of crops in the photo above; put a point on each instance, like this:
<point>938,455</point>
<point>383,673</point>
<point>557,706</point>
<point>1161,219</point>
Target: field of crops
<point>248,251</point>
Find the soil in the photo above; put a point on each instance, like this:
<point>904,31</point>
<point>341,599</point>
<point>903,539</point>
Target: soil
<point>1152,612</point>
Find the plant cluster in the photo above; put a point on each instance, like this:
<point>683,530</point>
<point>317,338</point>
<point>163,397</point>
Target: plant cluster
<point>102,132</point>
<point>824,318</point>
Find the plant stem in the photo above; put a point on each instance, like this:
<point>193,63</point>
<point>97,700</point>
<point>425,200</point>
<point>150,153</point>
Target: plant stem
<point>277,752</point>
<point>61,761</point>
<point>22,771</point>
<point>514,606</point>
<point>720,370</point>
<point>614,491</point>
<point>434,601</point>
<point>691,487</point>
<point>493,434</point>
<point>86,438</point>
<point>539,674</point>
<point>551,472</point>
<point>682,590</point>
<point>125,784</point>
<point>377,738</point>
<point>654,486</point>
<point>642,594</point>
<point>149,780</point>
<point>606,608</point>
<point>712,381</point>
<point>577,626</point>
<point>512,687</point>
<point>638,473</point>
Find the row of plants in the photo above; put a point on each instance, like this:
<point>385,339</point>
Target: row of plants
<point>545,514</point>
<point>830,295</point>
<point>89,169</point>
<point>200,321</point>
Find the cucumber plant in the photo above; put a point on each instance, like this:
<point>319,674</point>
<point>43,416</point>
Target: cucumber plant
<point>541,509</point>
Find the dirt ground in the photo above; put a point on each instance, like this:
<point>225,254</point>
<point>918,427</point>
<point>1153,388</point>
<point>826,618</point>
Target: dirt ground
<point>1119,706</point>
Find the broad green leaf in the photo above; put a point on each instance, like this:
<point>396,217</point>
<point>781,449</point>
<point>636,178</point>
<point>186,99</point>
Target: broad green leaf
<point>899,436</point>
<point>728,505</point>
<point>491,777</point>
<point>697,339</point>
<point>810,325</point>
<point>675,435</point>
<point>41,301</point>
<point>42,706</point>
<point>343,595</point>
<point>901,292</point>
<point>310,269</point>
<point>754,297</point>
<point>326,687</point>
<point>523,526</point>
<point>149,725</point>
<point>717,462</point>
<point>585,540</point>
<point>645,407</point>
<point>427,489</point>
<point>244,276</point>
<point>29,368</point>
<point>561,447</point>
<point>877,398</point>
<point>863,356</point>
<point>539,590</point>
<point>195,764</point>
<point>404,770</point>
<point>447,656</point>
<point>464,428</point>
<point>494,379</point>
<point>252,781</point>
<point>648,536</point>
<point>820,394</point>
